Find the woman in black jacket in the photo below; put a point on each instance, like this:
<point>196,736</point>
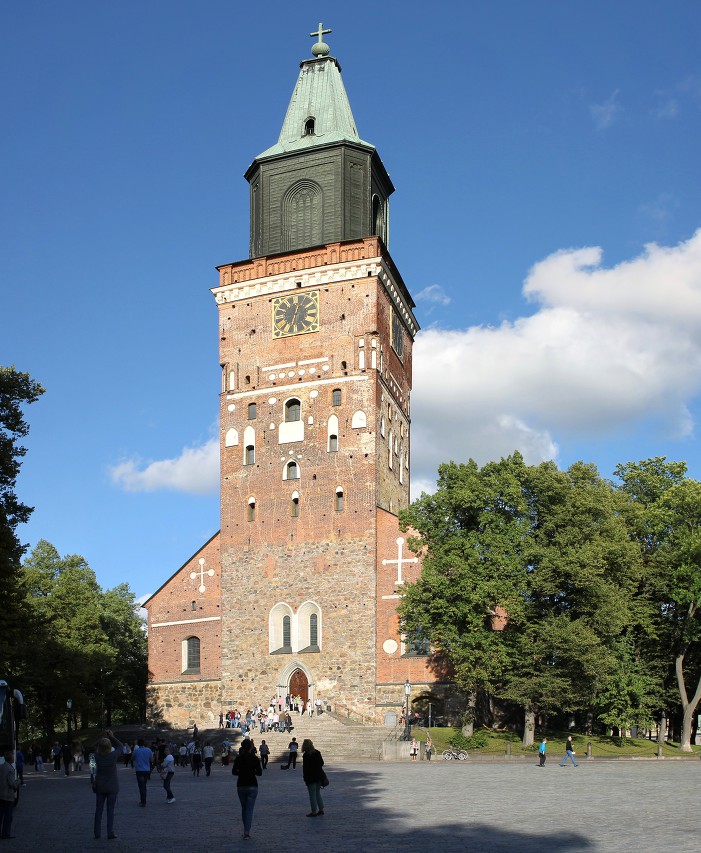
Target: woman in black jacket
<point>313,773</point>
<point>247,767</point>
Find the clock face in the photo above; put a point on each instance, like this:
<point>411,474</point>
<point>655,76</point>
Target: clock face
<point>296,314</point>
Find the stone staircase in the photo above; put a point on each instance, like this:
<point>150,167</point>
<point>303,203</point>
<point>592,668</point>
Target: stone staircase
<point>338,739</point>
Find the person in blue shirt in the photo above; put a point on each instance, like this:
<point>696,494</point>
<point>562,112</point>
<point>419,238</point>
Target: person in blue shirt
<point>142,759</point>
<point>542,749</point>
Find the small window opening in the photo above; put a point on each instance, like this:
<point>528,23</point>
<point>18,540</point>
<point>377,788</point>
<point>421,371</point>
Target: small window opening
<point>338,501</point>
<point>286,632</point>
<point>309,126</point>
<point>293,410</point>
<point>292,471</point>
<point>193,605</point>
<point>252,408</point>
<point>294,508</point>
<point>251,510</point>
<point>313,630</point>
<point>333,443</point>
<point>250,454</point>
<point>336,397</point>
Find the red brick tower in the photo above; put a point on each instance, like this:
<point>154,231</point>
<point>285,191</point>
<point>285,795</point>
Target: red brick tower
<point>316,332</point>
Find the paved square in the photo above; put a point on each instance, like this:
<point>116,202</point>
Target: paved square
<point>611,807</point>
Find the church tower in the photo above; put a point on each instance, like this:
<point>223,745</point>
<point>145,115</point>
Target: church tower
<point>316,330</point>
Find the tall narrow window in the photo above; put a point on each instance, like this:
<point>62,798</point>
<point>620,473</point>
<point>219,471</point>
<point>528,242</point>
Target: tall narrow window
<point>291,471</point>
<point>193,606</point>
<point>293,410</point>
<point>333,442</point>
<point>336,397</point>
<point>250,455</point>
<point>286,632</point>
<point>313,630</point>
<point>191,655</point>
<point>251,510</point>
<point>252,408</point>
<point>294,506</point>
<point>338,500</point>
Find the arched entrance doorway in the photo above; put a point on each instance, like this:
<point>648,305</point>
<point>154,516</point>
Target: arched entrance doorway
<point>299,685</point>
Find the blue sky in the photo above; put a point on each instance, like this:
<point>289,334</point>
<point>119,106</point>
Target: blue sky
<point>546,220</point>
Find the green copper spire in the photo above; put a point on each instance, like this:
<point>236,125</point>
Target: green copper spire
<point>319,112</point>
<point>320,183</point>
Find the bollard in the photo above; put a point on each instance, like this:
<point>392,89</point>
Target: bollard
<point>588,750</point>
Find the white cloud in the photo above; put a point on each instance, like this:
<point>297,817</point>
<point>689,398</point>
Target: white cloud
<point>606,113</point>
<point>433,293</point>
<point>606,348</point>
<point>195,471</point>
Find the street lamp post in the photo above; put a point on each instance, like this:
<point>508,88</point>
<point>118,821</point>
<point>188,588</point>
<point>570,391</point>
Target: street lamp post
<point>407,722</point>
<point>69,706</point>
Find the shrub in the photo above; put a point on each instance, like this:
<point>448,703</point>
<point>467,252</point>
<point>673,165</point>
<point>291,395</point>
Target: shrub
<point>476,741</point>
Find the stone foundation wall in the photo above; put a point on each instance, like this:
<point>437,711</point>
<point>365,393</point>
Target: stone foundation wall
<point>181,705</point>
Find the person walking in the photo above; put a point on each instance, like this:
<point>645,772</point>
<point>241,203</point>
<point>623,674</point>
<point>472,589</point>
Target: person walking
<point>247,766</point>
<point>293,746</point>
<point>142,758</point>
<point>414,751</point>
<point>9,783</point>
<point>167,773</point>
<point>569,752</point>
<point>106,781</point>
<point>429,747</point>
<point>313,775</point>
<point>208,755</point>
<point>542,749</point>
<point>264,751</point>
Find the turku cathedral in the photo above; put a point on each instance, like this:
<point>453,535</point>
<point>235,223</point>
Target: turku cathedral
<point>297,592</point>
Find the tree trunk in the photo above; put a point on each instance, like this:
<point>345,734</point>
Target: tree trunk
<point>688,706</point>
<point>529,727</point>
<point>468,726</point>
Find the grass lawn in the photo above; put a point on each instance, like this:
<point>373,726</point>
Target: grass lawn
<point>600,745</point>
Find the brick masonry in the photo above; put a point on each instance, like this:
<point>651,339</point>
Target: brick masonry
<point>286,546</point>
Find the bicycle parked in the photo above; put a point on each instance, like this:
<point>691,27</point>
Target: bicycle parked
<point>455,754</point>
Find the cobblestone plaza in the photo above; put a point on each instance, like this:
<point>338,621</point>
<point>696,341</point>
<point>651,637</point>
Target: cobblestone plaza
<point>598,807</point>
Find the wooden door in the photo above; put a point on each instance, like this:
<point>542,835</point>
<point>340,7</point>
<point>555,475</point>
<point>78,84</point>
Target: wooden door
<point>299,686</point>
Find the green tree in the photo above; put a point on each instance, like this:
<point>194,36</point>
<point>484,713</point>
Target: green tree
<point>666,522</point>
<point>544,546</point>
<point>83,644</point>
<point>16,390</point>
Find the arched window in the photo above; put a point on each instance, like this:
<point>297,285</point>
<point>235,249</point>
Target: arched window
<point>232,438</point>
<point>193,606</point>
<point>309,126</point>
<point>338,500</point>
<point>280,629</point>
<point>293,410</point>
<point>294,505</point>
<point>291,471</point>
<point>309,628</point>
<point>336,397</point>
<point>252,408</point>
<point>249,443</point>
<point>191,655</point>
<point>302,215</point>
<point>332,433</point>
<point>251,510</point>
